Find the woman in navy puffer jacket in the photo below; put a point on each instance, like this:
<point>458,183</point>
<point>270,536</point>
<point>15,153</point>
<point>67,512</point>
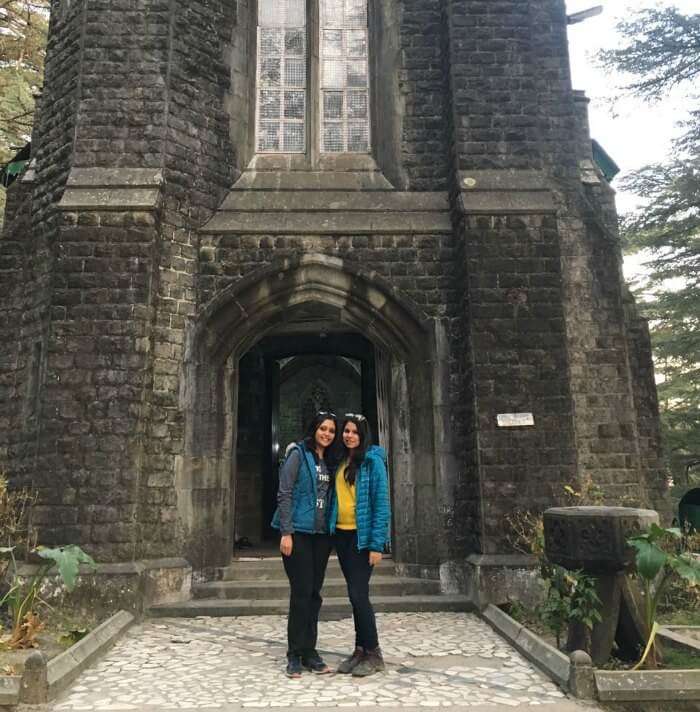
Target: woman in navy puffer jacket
<point>360,517</point>
<point>303,518</point>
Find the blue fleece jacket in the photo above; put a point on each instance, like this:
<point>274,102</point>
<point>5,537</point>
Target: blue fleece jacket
<point>372,508</point>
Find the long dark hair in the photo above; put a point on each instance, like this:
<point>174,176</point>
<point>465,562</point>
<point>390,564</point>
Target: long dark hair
<point>357,457</point>
<point>310,434</point>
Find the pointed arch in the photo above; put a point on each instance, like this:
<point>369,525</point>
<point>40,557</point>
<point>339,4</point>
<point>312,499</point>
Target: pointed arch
<point>337,292</point>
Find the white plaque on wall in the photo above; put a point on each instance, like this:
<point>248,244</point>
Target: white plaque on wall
<point>515,420</point>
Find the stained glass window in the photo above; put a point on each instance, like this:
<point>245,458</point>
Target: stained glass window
<point>282,59</point>
<point>344,77</point>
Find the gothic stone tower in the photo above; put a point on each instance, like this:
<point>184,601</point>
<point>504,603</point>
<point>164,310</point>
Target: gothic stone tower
<point>400,188</point>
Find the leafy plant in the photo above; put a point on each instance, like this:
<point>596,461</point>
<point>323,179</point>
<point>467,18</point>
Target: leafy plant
<point>571,598</point>
<point>655,567</point>
<point>70,637</point>
<point>23,600</point>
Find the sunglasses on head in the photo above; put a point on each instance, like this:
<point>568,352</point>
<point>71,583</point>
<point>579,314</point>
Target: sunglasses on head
<point>326,412</point>
<point>356,416</point>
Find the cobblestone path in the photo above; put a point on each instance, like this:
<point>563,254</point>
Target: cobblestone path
<point>433,660</point>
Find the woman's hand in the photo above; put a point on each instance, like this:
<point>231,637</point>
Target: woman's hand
<point>286,545</point>
<point>375,558</point>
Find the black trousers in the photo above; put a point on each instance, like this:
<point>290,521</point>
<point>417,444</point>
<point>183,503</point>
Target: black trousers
<point>306,569</point>
<point>357,571</point>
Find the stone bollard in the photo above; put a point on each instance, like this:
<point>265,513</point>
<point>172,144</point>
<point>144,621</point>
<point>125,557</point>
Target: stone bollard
<point>34,688</point>
<point>581,677</point>
<point>594,540</point>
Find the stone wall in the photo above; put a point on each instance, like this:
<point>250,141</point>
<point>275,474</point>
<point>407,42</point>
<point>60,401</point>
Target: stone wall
<point>116,395</point>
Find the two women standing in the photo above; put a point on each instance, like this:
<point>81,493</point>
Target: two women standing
<point>356,511</point>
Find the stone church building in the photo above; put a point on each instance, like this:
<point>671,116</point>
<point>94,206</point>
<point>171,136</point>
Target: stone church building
<point>239,212</point>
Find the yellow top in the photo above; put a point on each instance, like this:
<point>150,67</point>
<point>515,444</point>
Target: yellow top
<point>346,501</point>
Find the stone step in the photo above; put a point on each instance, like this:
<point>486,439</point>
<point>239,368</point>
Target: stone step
<point>272,569</point>
<point>332,588</point>
<point>333,608</point>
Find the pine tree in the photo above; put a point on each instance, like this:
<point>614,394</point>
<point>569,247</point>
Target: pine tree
<point>662,53</point>
<point>23,30</point>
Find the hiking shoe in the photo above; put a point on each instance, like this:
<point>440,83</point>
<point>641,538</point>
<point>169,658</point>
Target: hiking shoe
<point>349,664</point>
<point>315,663</point>
<point>372,662</point>
<point>294,668</point>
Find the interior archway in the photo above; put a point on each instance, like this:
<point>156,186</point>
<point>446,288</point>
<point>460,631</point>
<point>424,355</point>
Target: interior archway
<point>289,302</point>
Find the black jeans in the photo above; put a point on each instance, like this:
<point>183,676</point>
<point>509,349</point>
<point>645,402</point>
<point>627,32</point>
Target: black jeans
<point>357,572</point>
<point>306,568</point>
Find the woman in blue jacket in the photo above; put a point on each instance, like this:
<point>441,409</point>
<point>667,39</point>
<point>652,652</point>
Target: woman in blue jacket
<point>302,517</point>
<point>360,519</point>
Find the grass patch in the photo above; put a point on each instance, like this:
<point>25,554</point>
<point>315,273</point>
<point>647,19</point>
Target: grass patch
<point>681,617</point>
<point>680,660</point>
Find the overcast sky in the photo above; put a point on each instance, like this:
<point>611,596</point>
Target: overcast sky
<point>635,133</point>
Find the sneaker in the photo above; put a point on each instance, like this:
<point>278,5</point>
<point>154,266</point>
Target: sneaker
<point>349,664</point>
<point>294,668</point>
<point>371,663</point>
<point>315,664</point>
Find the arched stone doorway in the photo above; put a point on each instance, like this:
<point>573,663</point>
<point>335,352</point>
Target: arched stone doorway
<point>310,295</point>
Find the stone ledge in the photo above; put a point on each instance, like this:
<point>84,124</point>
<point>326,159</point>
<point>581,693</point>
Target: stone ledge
<point>112,189</point>
<point>505,192</point>
<point>109,199</point>
<point>9,689</point>
<point>648,685</point>
<point>115,177</point>
<point>674,636</point>
<point>64,668</point>
<point>329,223</point>
<point>333,200</point>
<point>550,660</point>
<point>131,586</point>
<point>313,180</point>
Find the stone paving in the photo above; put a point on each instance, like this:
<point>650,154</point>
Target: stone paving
<point>433,660</point>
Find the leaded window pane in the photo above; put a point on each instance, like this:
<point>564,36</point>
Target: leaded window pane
<point>270,104</point>
<point>293,137</point>
<point>357,74</point>
<point>295,43</point>
<point>358,105</point>
<point>356,13</point>
<point>333,138</point>
<point>332,43</point>
<point>333,105</point>
<point>344,77</point>
<point>269,136</point>
<point>294,104</point>
<point>281,93</point>
<point>357,43</point>
<point>334,74</point>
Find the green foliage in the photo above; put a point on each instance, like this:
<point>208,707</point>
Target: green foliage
<point>68,560</point>
<point>661,53</point>
<point>73,636</point>
<point>571,598</point>
<point>24,26</point>
<point>23,600</point>
<point>22,50</point>
<point>661,50</point>
<point>657,560</point>
<point>681,660</point>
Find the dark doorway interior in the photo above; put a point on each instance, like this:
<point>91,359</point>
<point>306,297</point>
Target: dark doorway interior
<point>283,381</point>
